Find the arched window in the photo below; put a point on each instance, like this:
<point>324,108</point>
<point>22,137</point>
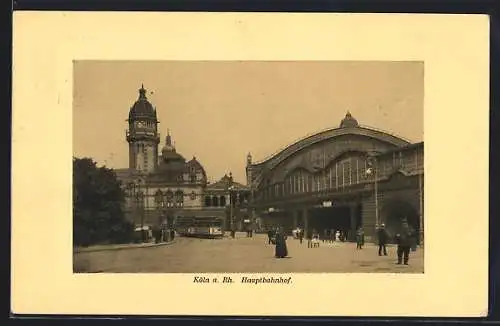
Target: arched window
<point>169,198</point>
<point>158,198</point>
<point>208,201</point>
<point>222,200</point>
<point>215,201</point>
<point>179,198</point>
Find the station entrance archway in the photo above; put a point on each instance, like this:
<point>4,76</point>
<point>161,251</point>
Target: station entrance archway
<point>392,214</point>
<point>336,218</point>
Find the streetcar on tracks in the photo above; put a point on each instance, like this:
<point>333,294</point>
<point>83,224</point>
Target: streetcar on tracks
<point>200,227</point>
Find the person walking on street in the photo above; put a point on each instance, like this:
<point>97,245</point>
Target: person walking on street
<point>281,250</point>
<point>382,240</point>
<point>309,237</point>
<point>360,238</point>
<point>404,241</point>
<point>301,235</point>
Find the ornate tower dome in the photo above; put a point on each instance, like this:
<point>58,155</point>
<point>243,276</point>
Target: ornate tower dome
<point>348,121</point>
<point>142,108</point>
<point>142,135</point>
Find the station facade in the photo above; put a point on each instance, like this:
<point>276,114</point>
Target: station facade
<point>342,178</point>
<point>162,185</point>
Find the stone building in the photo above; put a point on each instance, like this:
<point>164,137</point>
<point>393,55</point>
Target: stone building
<point>342,178</point>
<point>162,186</point>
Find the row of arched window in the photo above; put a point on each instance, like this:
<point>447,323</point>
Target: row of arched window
<point>215,201</point>
<point>221,201</point>
<point>169,198</point>
<point>342,174</point>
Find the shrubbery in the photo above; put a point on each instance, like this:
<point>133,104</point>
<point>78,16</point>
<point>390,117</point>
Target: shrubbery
<point>98,215</point>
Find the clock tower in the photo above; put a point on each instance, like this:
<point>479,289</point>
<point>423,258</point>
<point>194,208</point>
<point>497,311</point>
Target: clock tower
<point>142,135</point>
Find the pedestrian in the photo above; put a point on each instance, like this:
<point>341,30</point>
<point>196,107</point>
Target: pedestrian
<point>337,235</point>
<point>270,236</point>
<point>301,235</point>
<point>382,240</point>
<point>281,250</point>
<point>360,238</point>
<point>309,237</point>
<point>403,240</point>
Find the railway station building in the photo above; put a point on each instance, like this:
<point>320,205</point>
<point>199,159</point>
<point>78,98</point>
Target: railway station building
<point>162,185</point>
<point>342,178</point>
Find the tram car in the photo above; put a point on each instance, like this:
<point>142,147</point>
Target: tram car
<point>201,227</point>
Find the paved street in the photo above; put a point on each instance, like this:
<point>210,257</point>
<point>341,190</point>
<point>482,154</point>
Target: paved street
<point>246,255</point>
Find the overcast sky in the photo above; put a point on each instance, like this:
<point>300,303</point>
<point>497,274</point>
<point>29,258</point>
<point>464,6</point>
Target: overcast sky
<point>219,111</point>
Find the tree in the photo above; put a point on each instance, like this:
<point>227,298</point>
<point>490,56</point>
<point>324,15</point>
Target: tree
<point>98,200</point>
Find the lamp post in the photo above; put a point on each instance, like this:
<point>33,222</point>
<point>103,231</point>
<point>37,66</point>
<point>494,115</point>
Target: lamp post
<point>372,170</point>
<point>139,196</point>
<point>230,203</point>
<point>160,206</point>
<point>421,204</point>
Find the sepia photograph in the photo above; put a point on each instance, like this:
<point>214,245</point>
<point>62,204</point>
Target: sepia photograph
<point>248,166</point>
<point>228,164</point>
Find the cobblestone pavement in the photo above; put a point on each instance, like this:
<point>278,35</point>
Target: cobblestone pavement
<point>247,255</point>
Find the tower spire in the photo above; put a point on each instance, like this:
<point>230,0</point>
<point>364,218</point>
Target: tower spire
<point>142,92</point>
<point>168,139</point>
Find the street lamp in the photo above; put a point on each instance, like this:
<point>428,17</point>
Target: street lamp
<point>231,222</point>
<point>139,197</point>
<point>372,170</point>
<point>421,204</point>
<point>160,206</point>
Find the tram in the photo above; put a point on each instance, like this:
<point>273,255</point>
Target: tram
<point>200,227</point>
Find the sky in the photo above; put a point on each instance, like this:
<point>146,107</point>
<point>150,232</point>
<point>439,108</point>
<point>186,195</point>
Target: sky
<point>219,111</point>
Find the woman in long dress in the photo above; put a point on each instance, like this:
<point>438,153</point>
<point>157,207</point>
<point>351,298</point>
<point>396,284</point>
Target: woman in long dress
<point>281,250</point>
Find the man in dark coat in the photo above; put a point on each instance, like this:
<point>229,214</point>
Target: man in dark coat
<point>404,241</point>
<point>281,250</point>
<point>382,240</point>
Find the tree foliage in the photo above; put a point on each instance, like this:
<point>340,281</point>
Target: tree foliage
<point>98,215</point>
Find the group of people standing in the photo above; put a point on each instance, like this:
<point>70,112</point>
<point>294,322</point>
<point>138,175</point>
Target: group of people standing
<point>163,234</point>
<point>405,240</point>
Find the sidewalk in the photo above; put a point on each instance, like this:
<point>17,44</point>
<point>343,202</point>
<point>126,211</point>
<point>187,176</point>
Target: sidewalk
<point>121,246</point>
